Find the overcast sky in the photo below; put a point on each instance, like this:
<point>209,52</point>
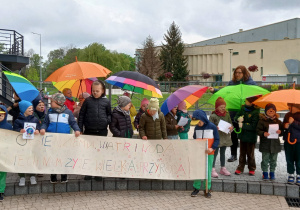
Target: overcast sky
<point>123,25</point>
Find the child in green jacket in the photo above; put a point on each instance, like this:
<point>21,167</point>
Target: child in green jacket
<point>182,112</point>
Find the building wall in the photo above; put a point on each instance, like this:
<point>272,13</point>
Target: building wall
<point>269,56</point>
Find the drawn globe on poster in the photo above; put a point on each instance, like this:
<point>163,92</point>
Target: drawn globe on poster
<point>30,131</point>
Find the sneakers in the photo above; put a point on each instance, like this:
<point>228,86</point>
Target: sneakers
<point>22,182</point>
<point>291,179</point>
<point>195,193</point>
<point>252,173</point>
<point>272,176</point>
<point>237,172</point>
<point>298,180</point>
<point>53,179</point>
<point>207,195</point>
<point>64,178</point>
<point>33,180</point>
<point>224,172</point>
<point>1,197</point>
<point>232,158</point>
<point>265,176</point>
<point>214,174</point>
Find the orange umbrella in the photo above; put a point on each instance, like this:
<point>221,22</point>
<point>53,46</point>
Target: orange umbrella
<point>280,98</point>
<point>78,70</point>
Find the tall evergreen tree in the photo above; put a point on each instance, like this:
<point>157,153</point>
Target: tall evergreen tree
<point>149,63</point>
<point>171,54</point>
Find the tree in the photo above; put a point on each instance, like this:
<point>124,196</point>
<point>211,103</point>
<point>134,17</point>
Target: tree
<point>171,54</point>
<point>149,63</point>
<point>31,74</point>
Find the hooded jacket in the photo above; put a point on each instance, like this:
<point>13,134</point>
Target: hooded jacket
<point>19,123</point>
<point>120,125</point>
<point>294,128</point>
<point>225,139</point>
<point>138,117</point>
<point>268,145</point>
<point>200,115</point>
<point>4,124</point>
<point>171,122</point>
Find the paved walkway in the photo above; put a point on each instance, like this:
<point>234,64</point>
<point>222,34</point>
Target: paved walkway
<point>143,200</point>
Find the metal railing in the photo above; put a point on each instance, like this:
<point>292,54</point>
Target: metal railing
<point>11,42</point>
<point>6,90</point>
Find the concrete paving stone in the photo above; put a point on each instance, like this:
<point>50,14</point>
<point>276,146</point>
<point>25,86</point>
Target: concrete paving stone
<point>85,185</point>
<point>189,185</point>
<point>168,185</point>
<point>35,189</point>
<point>217,185</point>
<point>229,186</point>
<point>157,184</point>
<point>253,187</point>
<point>21,190</point>
<point>145,184</point>
<point>73,186</point>
<point>109,183</point>
<point>121,184</point>
<point>133,184</point>
<point>279,189</point>
<point>180,185</point>
<point>47,187</point>
<point>9,189</point>
<point>241,187</point>
<point>97,185</point>
<point>60,187</point>
<point>266,188</point>
<point>292,191</point>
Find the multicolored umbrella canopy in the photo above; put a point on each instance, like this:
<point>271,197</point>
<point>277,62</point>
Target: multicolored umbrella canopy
<point>280,99</point>
<point>190,94</point>
<point>135,82</point>
<point>77,86</point>
<point>78,70</point>
<point>22,86</point>
<point>235,95</point>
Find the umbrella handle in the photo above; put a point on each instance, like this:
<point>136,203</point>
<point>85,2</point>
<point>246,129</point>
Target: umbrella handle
<point>292,143</point>
<point>237,132</point>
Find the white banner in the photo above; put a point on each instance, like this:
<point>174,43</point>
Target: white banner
<point>102,156</point>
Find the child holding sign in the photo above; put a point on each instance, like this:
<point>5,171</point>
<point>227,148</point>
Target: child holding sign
<point>26,116</point>
<point>269,147</point>
<point>183,113</point>
<point>3,125</point>
<point>220,114</point>
<point>205,130</point>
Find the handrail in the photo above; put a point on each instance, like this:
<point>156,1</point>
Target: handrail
<point>11,42</point>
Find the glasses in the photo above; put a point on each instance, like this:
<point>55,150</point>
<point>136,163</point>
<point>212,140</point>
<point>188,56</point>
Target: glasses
<point>239,72</point>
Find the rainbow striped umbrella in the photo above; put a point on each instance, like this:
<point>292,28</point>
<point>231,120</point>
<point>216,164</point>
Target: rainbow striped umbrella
<point>135,82</point>
<point>22,86</point>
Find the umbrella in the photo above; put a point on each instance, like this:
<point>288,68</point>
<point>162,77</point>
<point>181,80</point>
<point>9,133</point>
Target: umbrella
<point>135,82</point>
<point>77,86</point>
<point>78,70</point>
<point>22,86</point>
<point>190,94</point>
<point>280,99</point>
<point>235,95</point>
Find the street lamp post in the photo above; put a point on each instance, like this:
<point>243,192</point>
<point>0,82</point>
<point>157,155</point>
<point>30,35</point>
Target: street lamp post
<point>230,63</point>
<point>41,79</point>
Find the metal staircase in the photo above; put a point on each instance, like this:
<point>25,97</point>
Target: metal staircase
<point>6,90</point>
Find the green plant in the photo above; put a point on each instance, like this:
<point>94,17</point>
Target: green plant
<point>274,87</point>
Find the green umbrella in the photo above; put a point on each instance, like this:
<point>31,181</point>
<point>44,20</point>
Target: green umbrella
<point>235,95</point>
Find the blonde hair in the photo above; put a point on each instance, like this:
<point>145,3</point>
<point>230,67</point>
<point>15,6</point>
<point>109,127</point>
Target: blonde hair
<point>65,90</point>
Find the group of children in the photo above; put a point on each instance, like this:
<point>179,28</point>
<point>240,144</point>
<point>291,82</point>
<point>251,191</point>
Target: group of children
<point>95,116</point>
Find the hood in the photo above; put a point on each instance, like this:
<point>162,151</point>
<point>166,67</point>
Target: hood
<point>200,115</point>
<point>262,116</point>
<point>146,112</point>
<point>5,118</point>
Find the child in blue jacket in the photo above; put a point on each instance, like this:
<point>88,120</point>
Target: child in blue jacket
<point>205,124</point>
<point>3,125</point>
<point>58,120</point>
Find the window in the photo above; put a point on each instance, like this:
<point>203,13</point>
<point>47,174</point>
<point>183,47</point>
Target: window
<point>261,53</point>
<point>235,53</point>
<point>261,71</point>
<point>252,51</point>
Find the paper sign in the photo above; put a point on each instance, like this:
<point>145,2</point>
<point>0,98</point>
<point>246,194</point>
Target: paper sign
<point>29,130</point>
<point>224,126</point>
<point>272,131</point>
<point>183,121</point>
<point>208,134</point>
<point>199,134</point>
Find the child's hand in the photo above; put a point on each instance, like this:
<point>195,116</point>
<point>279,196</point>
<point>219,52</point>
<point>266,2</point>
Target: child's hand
<point>22,131</point>
<point>266,134</point>
<point>77,133</point>
<point>291,120</point>
<point>231,128</point>
<point>218,128</point>
<point>144,138</point>
<point>211,89</point>
<point>42,132</point>
<point>36,132</point>
<point>278,132</point>
<point>177,126</point>
<point>209,150</point>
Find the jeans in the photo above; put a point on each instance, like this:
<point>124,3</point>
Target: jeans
<point>222,156</point>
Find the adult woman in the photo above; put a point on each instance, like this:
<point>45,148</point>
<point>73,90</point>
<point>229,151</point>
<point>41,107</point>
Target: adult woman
<point>240,76</point>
